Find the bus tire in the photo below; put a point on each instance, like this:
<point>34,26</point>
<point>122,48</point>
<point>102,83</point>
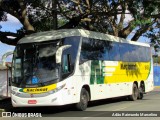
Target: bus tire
<point>134,95</point>
<point>140,93</point>
<point>84,98</point>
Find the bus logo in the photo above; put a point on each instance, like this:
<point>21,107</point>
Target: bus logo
<point>31,95</point>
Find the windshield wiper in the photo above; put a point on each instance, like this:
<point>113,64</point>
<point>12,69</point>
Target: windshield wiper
<point>28,74</point>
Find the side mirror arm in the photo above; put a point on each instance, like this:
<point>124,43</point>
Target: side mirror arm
<point>59,53</point>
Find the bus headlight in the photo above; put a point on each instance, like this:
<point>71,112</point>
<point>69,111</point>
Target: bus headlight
<point>57,89</point>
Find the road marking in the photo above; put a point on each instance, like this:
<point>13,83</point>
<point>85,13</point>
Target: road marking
<point>86,117</point>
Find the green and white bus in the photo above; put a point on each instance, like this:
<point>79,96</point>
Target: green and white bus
<point>75,66</point>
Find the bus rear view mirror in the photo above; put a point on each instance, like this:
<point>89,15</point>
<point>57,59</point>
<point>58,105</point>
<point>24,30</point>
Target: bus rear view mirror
<point>59,52</point>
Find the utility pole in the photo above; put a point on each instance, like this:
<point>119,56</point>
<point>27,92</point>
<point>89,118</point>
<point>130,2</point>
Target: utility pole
<point>54,14</point>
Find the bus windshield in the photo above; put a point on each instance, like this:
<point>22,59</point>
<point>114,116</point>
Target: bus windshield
<point>35,65</point>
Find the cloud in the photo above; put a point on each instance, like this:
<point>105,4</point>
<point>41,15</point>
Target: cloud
<point>12,24</point>
<point>12,19</point>
<point>128,18</point>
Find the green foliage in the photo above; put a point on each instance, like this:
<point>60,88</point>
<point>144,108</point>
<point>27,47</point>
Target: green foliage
<point>141,22</point>
<point>3,16</point>
<point>156,59</point>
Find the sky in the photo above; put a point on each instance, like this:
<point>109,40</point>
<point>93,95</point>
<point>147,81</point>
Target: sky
<point>13,24</point>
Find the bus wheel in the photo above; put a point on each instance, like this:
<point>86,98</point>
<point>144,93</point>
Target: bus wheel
<point>140,93</point>
<point>84,98</point>
<point>134,95</point>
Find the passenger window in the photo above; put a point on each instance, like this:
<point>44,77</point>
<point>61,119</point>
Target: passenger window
<point>124,52</point>
<point>93,49</point>
<point>134,54</point>
<point>114,52</point>
<point>148,54</point>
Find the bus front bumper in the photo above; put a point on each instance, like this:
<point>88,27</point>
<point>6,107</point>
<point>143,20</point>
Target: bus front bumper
<point>50,100</point>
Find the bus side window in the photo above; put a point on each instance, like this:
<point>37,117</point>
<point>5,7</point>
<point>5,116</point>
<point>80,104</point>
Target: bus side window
<point>66,64</point>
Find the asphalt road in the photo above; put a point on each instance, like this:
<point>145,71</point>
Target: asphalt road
<point>119,108</point>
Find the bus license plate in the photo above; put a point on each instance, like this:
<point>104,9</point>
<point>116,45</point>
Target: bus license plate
<point>32,101</point>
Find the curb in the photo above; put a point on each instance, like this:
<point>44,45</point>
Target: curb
<point>156,86</point>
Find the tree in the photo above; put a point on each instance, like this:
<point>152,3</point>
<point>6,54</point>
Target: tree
<point>107,16</point>
<point>156,59</point>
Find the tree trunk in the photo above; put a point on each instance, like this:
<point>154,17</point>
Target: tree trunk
<point>54,13</point>
<point>26,22</point>
<point>23,18</point>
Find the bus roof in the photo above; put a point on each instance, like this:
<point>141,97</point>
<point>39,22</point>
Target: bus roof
<point>59,34</point>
